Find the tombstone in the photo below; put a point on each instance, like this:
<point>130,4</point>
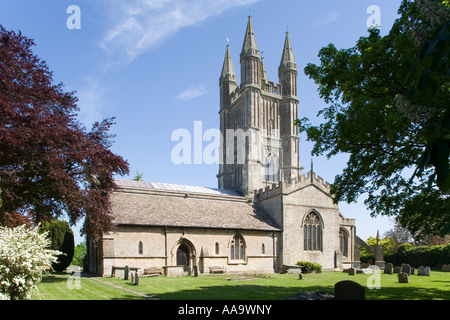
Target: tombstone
<point>349,290</point>
<point>388,268</point>
<point>300,276</point>
<point>445,268</point>
<point>406,269</point>
<point>136,279</point>
<point>196,271</point>
<point>402,277</point>
<point>423,271</point>
<point>189,270</point>
<point>351,271</point>
<point>397,269</point>
<point>413,270</point>
<point>132,277</point>
<point>126,270</point>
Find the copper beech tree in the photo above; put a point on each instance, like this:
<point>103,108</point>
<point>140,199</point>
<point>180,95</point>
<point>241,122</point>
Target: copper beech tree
<point>50,165</point>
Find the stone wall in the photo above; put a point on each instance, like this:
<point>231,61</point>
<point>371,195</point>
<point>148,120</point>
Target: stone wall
<point>121,248</point>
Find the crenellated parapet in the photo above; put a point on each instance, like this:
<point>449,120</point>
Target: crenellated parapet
<point>304,180</point>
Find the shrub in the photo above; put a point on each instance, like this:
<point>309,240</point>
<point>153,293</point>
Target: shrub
<point>23,259</point>
<point>309,267</point>
<point>432,256</point>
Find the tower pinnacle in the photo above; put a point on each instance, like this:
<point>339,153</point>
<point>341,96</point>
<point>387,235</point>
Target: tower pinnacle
<point>249,48</point>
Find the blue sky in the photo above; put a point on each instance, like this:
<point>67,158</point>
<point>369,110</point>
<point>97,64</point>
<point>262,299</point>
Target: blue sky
<point>155,66</point>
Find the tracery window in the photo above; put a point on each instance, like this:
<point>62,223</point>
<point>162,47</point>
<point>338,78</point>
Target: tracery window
<point>271,171</point>
<point>312,228</point>
<point>237,248</point>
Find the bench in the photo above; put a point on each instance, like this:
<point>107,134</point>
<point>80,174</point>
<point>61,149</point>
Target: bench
<point>216,269</point>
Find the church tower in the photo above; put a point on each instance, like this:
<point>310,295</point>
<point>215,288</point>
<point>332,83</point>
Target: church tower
<point>259,138</point>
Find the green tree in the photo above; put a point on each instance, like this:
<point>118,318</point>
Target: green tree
<point>373,116</point>
<point>62,239</point>
<point>138,176</point>
<point>80,252</point>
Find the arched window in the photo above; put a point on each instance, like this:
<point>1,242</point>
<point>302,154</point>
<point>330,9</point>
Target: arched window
<point>237,248</point>
<point>343,242</point>
<point>217,248</point>
<point>271,166</point>
<point>140,247</point>
<point>263,248</point>
<point>312,232</point>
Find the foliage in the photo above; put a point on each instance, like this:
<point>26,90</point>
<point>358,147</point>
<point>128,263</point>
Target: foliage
<point>138,176</point>
<point>432,256</point>
<point>388,246</point>
<point>309,267</point>
<point>79,254</point>
<point>24,256</point>
<point>62,239</point>
<point>49,164</point>
<point>370,118</point>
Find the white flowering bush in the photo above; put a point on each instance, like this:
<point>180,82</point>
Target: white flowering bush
<point>24,258</point>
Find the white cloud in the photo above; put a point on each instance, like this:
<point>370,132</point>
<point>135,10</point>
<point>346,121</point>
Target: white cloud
<point>91,100</point>
<point>329,18</point>
<point>192,92</point>
<point>137,25</point>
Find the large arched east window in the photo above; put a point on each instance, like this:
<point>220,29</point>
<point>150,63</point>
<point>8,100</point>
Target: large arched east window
<point>312,232</point>
<point>237,248</point>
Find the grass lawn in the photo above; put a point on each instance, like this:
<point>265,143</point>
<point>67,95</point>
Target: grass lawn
<point>243,287</point>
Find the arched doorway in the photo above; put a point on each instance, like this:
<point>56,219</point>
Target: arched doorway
<point>183,256</point>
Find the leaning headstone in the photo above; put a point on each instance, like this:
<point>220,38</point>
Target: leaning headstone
<point>406,269</point>
<point>125,273</point>
<point>388,268</point>
<point>397,269</point>
<point>351,271</point>
<point>349,290</point>
<point>402,277</point>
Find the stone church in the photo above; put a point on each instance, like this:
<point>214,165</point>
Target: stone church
<point>265,214</point>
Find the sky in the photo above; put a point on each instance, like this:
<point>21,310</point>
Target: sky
<point>154,65</point>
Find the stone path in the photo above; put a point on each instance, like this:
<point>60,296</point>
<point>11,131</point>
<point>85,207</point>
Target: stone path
<point>129,290</point>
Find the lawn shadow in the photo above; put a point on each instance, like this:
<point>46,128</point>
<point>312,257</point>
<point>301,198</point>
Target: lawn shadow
<point>243,292</point>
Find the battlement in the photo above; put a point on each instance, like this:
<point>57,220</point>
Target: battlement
<point>275,189</point>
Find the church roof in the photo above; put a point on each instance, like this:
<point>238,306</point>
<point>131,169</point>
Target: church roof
<point>160,204</point>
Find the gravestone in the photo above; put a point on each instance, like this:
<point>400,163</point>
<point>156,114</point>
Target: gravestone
<point>388,268</point>
<point>349,290</point>
<point>136,279</point>
<point>196,271</point>
<point>351,271</point>
<point>402,277</point>
<point>423,271</point>
<point>125,273</point>
<point>406,269</point>
<point>413,270</point>
<point>397,269</point>
<point>445,268</point>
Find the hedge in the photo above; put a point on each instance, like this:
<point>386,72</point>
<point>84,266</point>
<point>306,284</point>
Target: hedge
<point>432,256</point>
